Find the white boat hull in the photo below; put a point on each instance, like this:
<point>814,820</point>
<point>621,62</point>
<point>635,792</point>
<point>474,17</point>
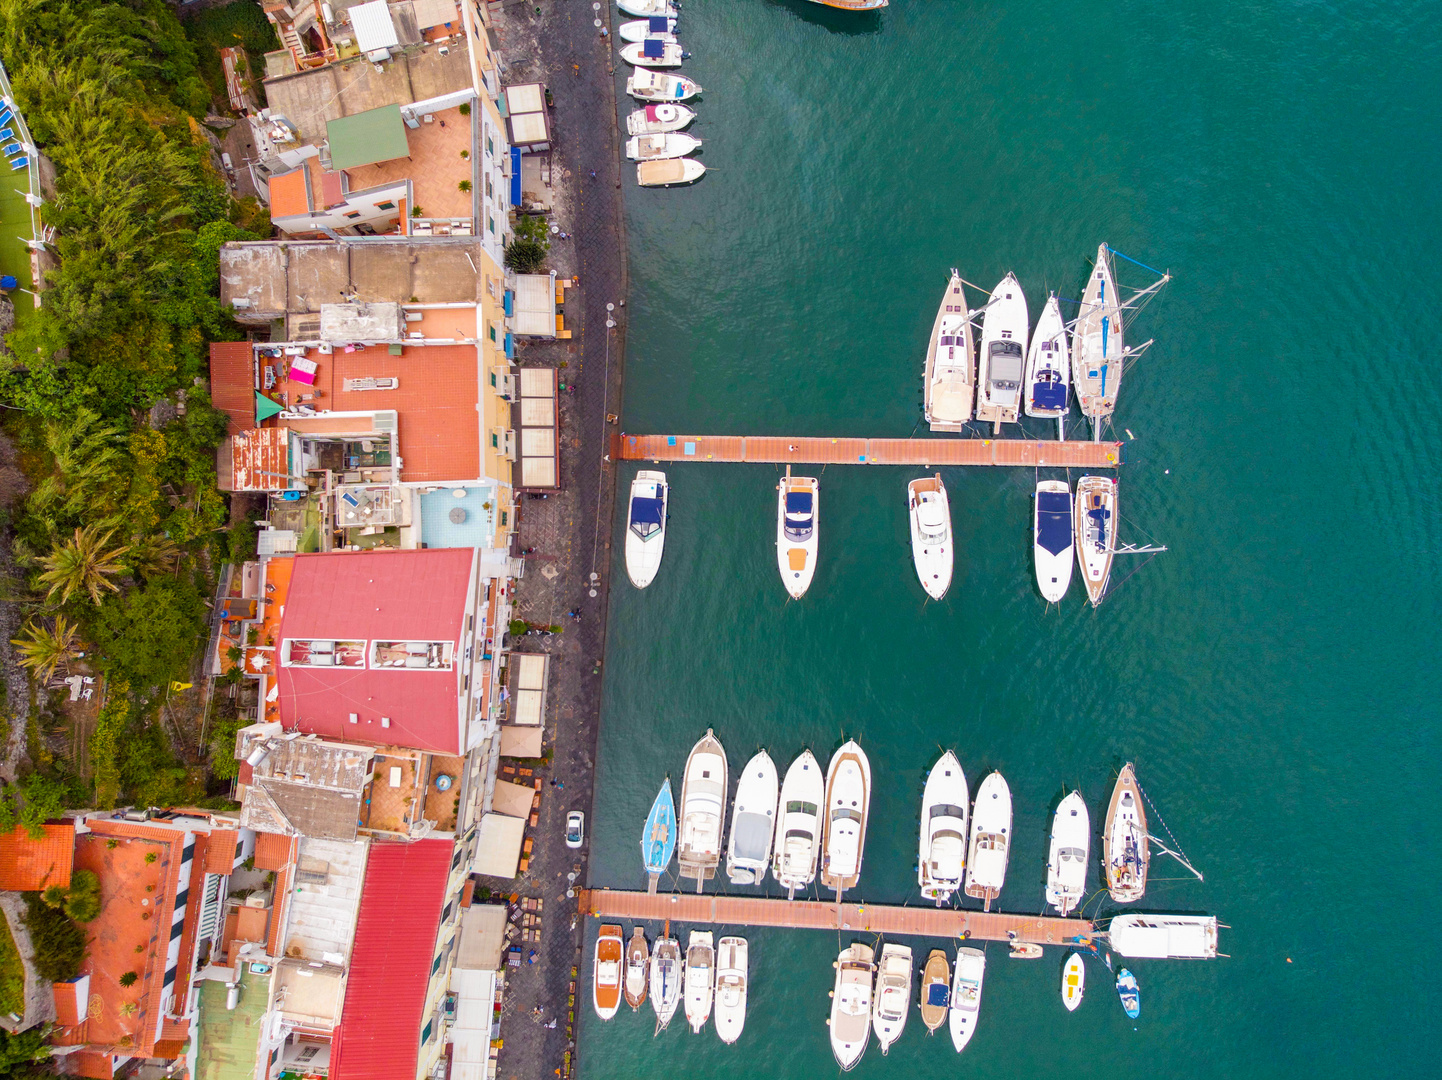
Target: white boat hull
<point>1095,516</point>
<point>672,144</point>
<point>892,999</point>
<point>1048,364</point>
<point>941,857</point>
<point>850,1020</point>
<point>950,371</point>
<point>990,845</point>
<point>798,532</point>
<point>732,972</point>
<point>753,821</point>
<point>1165,937</point>
<point>671,55</point>
<point>1126,847</point>
<point>655,119</point>
<point>669,172</point>
<point>658,86</point>
<point>1052,533</point>
<point>700,978</point>
<point>848,804</point>
<point>797,844</point>
<point>1073,982</point>
<point>667,969</point>
<point>644,9</point>
<point>931,539</point>
<point>640,30</point>
<point>1066,864</point>
<point>646,527</point>
<point>966,987</point>
<point>1098,351</point>
<point>1002,363</point>
<point>701,813</point>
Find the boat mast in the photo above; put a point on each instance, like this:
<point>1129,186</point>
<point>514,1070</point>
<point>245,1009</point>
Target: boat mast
<point>1175,854</point>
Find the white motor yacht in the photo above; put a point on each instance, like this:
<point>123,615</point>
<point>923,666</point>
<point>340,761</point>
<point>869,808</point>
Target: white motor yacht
<point>1051,535</point>
<point>848,801</point>
<point>645,84</point>
<point>1003,354</point>
<point>753,821</point>
<point>990,840</point>
<point>941,859</point>
<point>931,543</point>
<point>797,844</point>
<point>1097,349</point>
<point>702,810</point>
<point>1048,364</point>
<point>966,995</point>
<point>950,371</point>
<point>670,144</point>
<point>1066,863</point>
<point>892,999</point>
<point>700,978</point>
<point>654,53</point>
<point>652,119</point>
<point>1164,937</point>
<point>656,26</point>
<point>798,523</point>
<point>666,971</point>
<point>646,527</point>
<point>732,970</point>
<point>638,965</point>
<point>1126,846</point>
<point>1095,519</point>
<point>607,972</point>
<point>850,1020</point>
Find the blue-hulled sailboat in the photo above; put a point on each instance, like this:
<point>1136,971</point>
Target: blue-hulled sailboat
<point>658,841</point>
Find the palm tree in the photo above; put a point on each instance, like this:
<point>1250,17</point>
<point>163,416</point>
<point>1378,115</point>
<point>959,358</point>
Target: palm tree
<point>83,564</point>
<point>151,556</point>
<point>43,650</point>
<point>87,457</point>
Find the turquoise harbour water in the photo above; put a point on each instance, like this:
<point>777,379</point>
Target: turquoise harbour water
<point>1273,676</point>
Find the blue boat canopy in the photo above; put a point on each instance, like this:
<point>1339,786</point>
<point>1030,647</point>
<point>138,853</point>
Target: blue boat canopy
<point>658,24</point>
<point>937,994</point>
<point>798,503</point>
<point>653,48</point>
<point>1048,394</point>
<point>1053,521</point>
<point>645,511</point>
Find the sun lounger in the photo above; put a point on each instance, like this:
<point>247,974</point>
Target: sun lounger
<point>19,163</point>
<point>11,149</point>
<point>6,133</point>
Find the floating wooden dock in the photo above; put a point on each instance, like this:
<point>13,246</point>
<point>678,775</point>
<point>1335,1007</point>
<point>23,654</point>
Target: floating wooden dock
<point>882,919</point>
<point>823,451</point>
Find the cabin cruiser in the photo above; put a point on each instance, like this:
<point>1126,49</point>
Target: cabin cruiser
<point>1004,328</point>
<point>654,53</point>
<point>1095,520</point>
<point>703,808</point>
<point>798,513</point>
<point>644,84</point>
<point>798,825</point>
<point>731,974</point>
<point>1052,538</point>
<point>700,978</point>
<point>606,976</point>
<point>1126,848</point>
<point>652,119</point>
<point>931,543</point>
<point>645,9</point>
<point>753,821</point>
<point>646,527</point>
<point>666,972</point>
<point>850,1020</point>
<point>892,999</point>
<point>1164,937</point>
<point>671,144</point>
<point>638,967</point>
<point>966,994</point>
<point>668,172</point>
<point>848,801</point>
<point>990,840</point>
<point>1048,364</point>
<point>941,859</point>
<point>1066,863</point>
<point>950,363</point>
<point>935,990</point>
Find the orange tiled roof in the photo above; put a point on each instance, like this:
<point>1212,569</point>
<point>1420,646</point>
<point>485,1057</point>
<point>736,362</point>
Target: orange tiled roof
<point>273,851</point>
<point>279,903</point>
<point>220,851</point>
<point>69,1009</point>
<point>27,865</point>
<point>232,383</point>
<point>90,1063</point>
<point>169,1049</point>
<point>290,193</point>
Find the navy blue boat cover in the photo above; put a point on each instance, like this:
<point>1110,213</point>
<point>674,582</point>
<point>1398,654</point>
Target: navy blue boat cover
<point>1053,520</point>
<point>798,502</point>
<point>645,511</point>
<point>937,994</point>
<point>656,24</point>
<point>1048,395</point>
<point>653,48</point>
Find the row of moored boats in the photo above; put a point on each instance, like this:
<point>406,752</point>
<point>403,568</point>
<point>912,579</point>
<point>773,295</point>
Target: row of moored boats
<point>1065,527</point>
<point>658,142</point>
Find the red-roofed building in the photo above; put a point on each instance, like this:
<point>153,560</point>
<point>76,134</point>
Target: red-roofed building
<point>71,1000</point>
<point>28,864</point>
<point>381,648</point>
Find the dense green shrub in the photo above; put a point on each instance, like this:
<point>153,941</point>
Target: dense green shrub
<point>59,943</point>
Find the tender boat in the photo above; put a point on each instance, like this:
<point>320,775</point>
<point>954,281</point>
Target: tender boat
<point>941,859</point>
<point>990,840</point>
<point>1024,950</point>
<point>1165,937</point>
<point>656,118</point>
<point>645,9</point>
<point>1097,349</point>
<point>654,53</point>
<point>892,1000</point>
<point>1129,993</point>
<point>1125,847</point>
<point>1004,326</point>
<point>646,527</point>
<point>703,809</point>
<point>658,839</point>
<point>853,5</point>
<point>935,990</point>
<point>1048,364</point>
<point>850,1021</point>
<point>753,821</point>
<point>647,85</point>
<point>1073,981</point>
<point>666,973</point>
<point>966,995</point>
<point>671,144</point>
<point>731,973</point>
<point>930,534</point>
<point>668,172</point>
<point>950,363</point>
<point>606,976</point>
<point>1051,534</point>
<point>656,26</point>
<point>848,800</point>
<point>1066,863</point>
<point>798,521</point>
<point>1095,515</point>
<point>638,967</point>
<point>700,978</point>
<point>798,825</point>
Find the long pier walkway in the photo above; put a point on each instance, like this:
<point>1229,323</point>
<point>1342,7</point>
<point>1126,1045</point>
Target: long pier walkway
<point>801,450</point>
<point>820,915</point>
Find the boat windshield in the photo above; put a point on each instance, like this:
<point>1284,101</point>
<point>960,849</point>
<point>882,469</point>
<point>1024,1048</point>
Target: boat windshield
<point>845,813</point>
<point>798,515</point>
<point>943,810</point>
<point>800,834</point>
<point>796,806</point>
<point>646,517</point>
<point>1004,371</point>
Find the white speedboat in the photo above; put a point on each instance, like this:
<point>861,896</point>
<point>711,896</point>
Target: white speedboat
<point>732,970</point>
<point>1048,364</point>
<point>668,172</point>
<point>797,844</point>
<point>606,973</point>
<point>658,118</point>
<point>950,363</point>
<point>798,523</point>
<point>1051,534</point>
<point>990,840</point>
<point>670,144</point>
<point>850,1020</point>
<point>656,26</point>
<point>753,821</point>
<point>892,1000</point>
<point>654,53</point>
<point>935,990</point>
<point>647,85</point>
<point>646,527</point>
<point>1126,849</point>
<point>703,809</point>
<point>1164,937</point>
<point>1097,350</point>
<point>848,801</point>
<point>1004,326</point>
<point>966,995</point>
<point>931,544</point>
<point>638,965</point>
<point>1095,522</point>
<point>666,973</point>
<point>1073,981</point>
<point>941,859</point>
<point>700,978</point>
<point>1066,863</point>
<point>645,9</point>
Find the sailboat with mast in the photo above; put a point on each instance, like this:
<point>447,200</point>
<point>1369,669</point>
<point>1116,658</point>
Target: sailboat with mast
<point>950,373</point>
<point>658,838</point>
<point>1127,843</point>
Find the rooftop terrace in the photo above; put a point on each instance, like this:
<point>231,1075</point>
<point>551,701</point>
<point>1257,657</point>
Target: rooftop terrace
<point>229,1038</point>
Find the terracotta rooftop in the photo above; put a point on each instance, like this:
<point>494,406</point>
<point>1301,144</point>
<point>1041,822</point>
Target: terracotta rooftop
<point>273,852</point>
<point>232,383</point>
<point>220,854</point>
<point>71,1000</point>
<point>290,193</point>
<point>28,864</point>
